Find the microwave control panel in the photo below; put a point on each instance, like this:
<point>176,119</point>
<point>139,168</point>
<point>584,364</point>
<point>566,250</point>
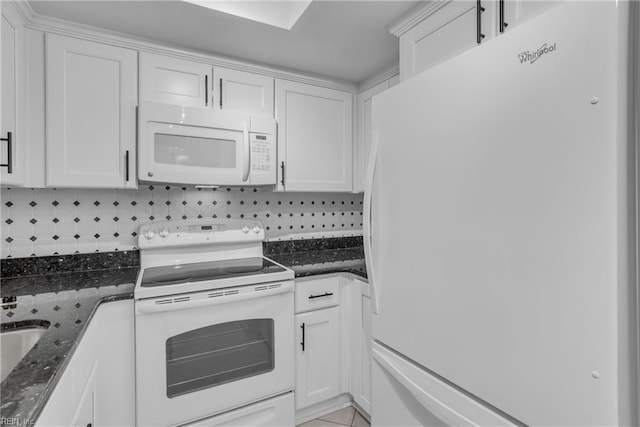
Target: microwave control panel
<point>263,159</point>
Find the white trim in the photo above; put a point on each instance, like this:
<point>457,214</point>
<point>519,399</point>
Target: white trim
<point>378,78</point>
<point>48,24</point>
<point>416,15</point>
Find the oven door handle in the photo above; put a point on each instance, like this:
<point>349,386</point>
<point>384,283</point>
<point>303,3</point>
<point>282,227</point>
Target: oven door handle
<point>212,297</point>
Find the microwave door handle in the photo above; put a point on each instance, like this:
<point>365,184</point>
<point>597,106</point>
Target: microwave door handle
<point>247,153</point>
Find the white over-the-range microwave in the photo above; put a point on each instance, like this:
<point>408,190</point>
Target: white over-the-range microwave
<point>198,146</point>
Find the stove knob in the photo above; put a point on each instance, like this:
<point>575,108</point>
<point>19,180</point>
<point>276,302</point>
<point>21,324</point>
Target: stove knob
<point>164,232</point>
<point>256,229</point>
<point>245,229</point>
<point>149,234</point>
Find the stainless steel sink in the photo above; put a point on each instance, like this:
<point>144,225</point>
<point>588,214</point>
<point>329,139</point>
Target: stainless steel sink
<point>15,343</point>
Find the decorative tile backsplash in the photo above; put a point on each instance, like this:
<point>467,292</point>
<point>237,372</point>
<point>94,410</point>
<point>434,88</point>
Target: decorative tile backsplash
<point>42,222</point>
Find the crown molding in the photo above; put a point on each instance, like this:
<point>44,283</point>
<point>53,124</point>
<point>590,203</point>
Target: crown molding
<point>417,15</point>
<point>35,21</point>
<point>376,79</point>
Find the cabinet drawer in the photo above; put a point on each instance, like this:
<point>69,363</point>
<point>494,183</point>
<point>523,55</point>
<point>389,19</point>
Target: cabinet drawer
<point>316,294</point>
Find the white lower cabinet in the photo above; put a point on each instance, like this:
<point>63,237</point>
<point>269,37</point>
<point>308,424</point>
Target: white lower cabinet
<point>97,386</point>
<point>333,339</point>
<point>318,356</point>
<point>360,341</point>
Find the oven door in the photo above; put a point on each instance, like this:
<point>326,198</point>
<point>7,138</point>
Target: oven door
<point>204,353</point>
<point>188,145</point>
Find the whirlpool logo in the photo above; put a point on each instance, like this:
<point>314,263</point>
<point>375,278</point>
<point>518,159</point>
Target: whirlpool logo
<point>532,56</point>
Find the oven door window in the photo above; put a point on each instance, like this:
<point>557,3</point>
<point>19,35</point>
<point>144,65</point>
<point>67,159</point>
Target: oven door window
<point>218,354</point>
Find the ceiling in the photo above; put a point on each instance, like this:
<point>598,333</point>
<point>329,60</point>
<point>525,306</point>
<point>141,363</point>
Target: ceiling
<point>348,41</point>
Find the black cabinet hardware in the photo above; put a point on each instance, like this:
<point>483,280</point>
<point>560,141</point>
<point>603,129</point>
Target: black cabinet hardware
<point>282,167</point>
<point>326,294</point>
<point>126,165</point>
<point>479,10</point>
<point>206,90</point>
<point>220,94</point>
<point>9,164</point>
<point>503,24</point>
<point>302,343</point>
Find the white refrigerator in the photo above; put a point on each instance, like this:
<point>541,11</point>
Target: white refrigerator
<point>500,216</point>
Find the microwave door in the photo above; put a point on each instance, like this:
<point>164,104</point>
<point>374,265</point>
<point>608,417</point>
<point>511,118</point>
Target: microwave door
<point>177,153</point>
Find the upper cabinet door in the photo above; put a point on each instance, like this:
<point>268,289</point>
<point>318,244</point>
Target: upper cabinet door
<point>446,32</point>
<point>314,137</point>
<point>13,97</point>
<point>512,13</point>
<point>175,81</point>
<point>364,134</point>
<point>91,114</point>
<point>245,92</point>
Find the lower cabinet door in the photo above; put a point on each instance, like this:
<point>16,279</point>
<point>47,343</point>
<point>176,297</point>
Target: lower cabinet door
<point>278,411</point>
<point>84,415</point>
<point>361,361</point>
<point>318,356</point>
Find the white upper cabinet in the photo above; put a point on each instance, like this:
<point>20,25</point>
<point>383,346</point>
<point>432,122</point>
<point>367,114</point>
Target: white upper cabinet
<point>443,29</point>
<point>244,92</point>
<point>364,134</point>
<point>511,13</point>
<point>195,84</point>
<point>13,98</point>
<point>91,114</point>
<point>446,30</point>
<point>314,137</point>
<point>175,81</point>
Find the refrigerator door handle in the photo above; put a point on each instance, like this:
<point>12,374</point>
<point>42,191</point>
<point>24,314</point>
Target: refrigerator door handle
<point>430,402</point>
<point>366,229</point>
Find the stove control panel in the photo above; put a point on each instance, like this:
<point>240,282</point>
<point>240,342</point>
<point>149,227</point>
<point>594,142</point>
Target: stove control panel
<point>198,232</point>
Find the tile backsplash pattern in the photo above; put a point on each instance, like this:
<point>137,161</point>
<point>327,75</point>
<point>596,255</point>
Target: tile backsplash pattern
<point>42,222</point>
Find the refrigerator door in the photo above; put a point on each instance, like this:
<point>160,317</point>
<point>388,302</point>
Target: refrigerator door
<point>498,234</point>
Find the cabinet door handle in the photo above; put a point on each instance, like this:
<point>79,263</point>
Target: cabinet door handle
<point>503,24</point>
<point>206,90</point>
<point>479,10</point>
<point>302,343</point>
<point>220,94</point>
<point>282,167</point>
<point>9,164</point>
<point>326,294</point>
<point>126,165</point>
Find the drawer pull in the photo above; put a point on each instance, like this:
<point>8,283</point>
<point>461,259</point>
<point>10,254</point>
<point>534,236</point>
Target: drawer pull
<point>326,294</point>
<point>9,164</point>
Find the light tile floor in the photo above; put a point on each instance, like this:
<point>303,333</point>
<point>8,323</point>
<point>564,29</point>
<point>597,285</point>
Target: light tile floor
<point>344,417</point>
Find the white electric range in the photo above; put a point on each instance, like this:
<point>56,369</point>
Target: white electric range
<point>214,327</point>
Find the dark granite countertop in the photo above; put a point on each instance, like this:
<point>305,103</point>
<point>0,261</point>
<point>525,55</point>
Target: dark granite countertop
<point>62,293</point>
<point>63,302</point>
<point>319,256</point>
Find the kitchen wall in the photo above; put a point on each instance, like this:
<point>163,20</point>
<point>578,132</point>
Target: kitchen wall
<point>42,222</point>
